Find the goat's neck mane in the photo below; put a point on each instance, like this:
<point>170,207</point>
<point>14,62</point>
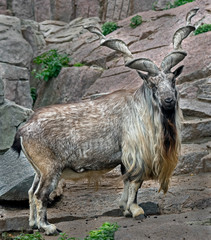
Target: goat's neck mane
<point>156,139</point>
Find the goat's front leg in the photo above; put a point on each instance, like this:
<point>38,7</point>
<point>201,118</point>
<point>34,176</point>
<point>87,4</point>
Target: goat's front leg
<point>124,197</point>
<point>132,206</point>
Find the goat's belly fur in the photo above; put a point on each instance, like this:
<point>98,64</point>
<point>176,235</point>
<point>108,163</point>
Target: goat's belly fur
<point>69,174</point>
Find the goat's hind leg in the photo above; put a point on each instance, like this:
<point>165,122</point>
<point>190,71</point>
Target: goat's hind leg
<point>47,184</point>
<point>32,205</point>
<point>124,197</point>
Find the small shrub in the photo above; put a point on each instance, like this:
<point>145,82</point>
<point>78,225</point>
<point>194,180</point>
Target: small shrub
<point>106,232</point>
<point>64,236</point>
<point>34,236</point>
<point>78,65</point>
<point>51,63</point>
<point>202,29</point>
<point>109,27</point>
<point>177,3</point>
<point>135,21</point>
<point>33,94</point>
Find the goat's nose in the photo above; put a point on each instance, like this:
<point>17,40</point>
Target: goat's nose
<point>168,100</point>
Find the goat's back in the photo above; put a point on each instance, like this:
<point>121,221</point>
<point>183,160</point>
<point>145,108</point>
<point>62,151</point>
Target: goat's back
<point>88,130</point>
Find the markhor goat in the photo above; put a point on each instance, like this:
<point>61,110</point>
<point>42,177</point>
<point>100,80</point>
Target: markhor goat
<point>138,129</point>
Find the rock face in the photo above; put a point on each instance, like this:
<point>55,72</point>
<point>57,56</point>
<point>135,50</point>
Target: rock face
<point>67,10</point>
<point>15,58</point>
<point>16,175</point>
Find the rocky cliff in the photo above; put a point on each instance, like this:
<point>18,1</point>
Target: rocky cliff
<point>67,10</point>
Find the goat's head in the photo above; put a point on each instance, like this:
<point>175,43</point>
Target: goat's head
<point>161,81</point>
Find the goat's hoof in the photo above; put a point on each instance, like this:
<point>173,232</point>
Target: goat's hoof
<point>126,213</point>
<point>51,230</point>
<point>140,217</point>
<point>33,225</point>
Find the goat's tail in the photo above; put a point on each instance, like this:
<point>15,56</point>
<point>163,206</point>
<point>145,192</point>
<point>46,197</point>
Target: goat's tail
<point>16,146</point>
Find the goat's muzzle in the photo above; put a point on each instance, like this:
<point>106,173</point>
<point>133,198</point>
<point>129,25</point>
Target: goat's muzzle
<point>168,103</point>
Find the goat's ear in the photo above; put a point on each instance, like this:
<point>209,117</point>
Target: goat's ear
<point>178,71</point>
<point>143,76</point>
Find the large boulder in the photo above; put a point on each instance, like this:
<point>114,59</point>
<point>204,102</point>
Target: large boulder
<point>32,34</point>
<point>69,86</point>
<point>16,176</point>
<point>16,84</point>
<point>11,116</point>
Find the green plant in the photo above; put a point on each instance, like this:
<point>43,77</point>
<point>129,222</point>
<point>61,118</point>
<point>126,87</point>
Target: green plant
<point>109,27</point>
<point>51,63</point>
<point>64,236</point>
<point>106,232</point>
<point>135,21</point>
<point>33,94</point>
<point>78,64</point>
<point>177,3</point>
<point>203,28</point>
<point>34,236</point>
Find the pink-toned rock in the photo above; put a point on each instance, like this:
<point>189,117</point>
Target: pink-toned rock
<point>63,10</point>
<point>69,86</point>
<point>42,9</point>
<point>115,79</point>
<point>87,9</point>
<point>23,9</point>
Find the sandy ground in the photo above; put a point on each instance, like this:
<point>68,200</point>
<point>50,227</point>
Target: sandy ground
<point>183,213</point>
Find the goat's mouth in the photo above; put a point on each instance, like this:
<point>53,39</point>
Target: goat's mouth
<point>168,105</point>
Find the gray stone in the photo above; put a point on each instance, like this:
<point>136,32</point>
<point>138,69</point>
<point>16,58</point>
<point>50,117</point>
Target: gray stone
<point>13,48</point>
<point>33,35</point>
<point>161,4</point>
<point>205,164</point>
<point>12,73</point>
<point>72,30</point>
<point>196,130</point>
<point>16,84</point>
<point>42,9</point>
<point>11,116</point>
<point>23,9</point>
<point>191,159</point>
<point>16,176</point>
<point>194,108</point>
<point>49,27</point>
<point>1,91</point>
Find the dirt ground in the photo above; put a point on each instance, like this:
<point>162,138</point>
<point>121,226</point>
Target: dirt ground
<point>183,213</point>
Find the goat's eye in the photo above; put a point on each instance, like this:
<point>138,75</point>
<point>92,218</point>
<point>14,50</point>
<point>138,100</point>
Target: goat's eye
<point>153,87</point>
